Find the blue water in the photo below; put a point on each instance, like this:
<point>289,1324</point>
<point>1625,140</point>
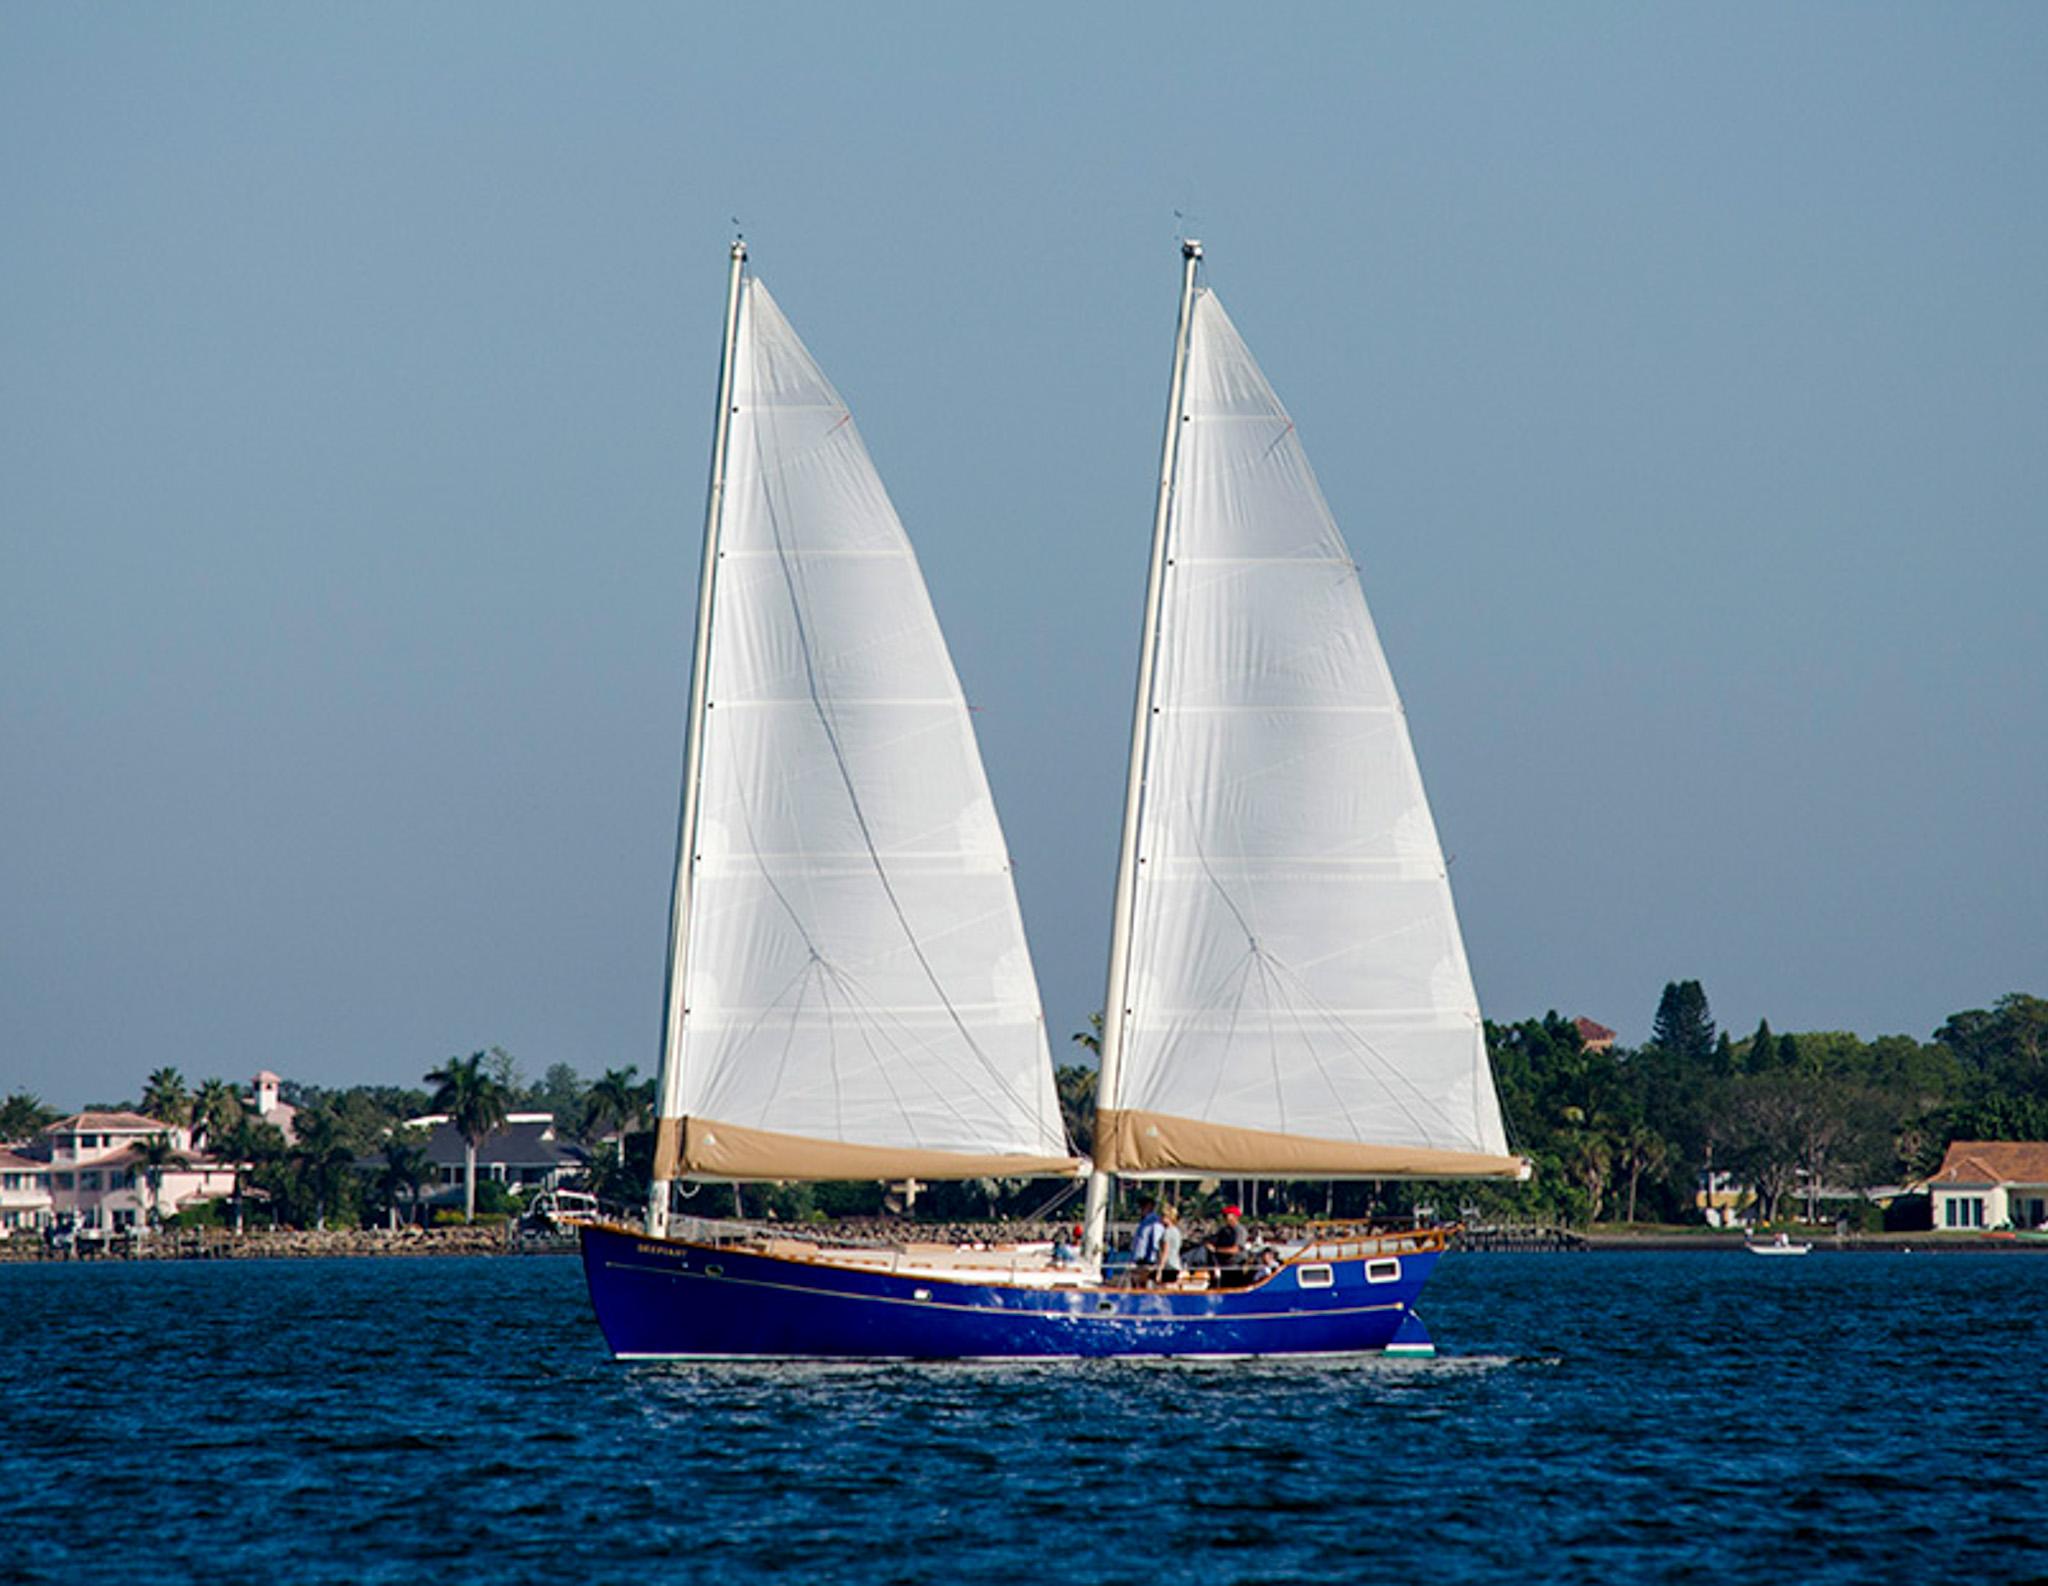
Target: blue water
<point>1654,1417</point>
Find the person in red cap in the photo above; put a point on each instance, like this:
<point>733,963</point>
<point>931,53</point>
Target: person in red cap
<point>1226,1251</point>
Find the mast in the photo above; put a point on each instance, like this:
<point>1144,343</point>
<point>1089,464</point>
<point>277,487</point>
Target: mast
<point>668,1088</point>
<point>1114,1008</point>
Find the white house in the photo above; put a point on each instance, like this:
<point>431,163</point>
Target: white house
<point>1991,1184</point>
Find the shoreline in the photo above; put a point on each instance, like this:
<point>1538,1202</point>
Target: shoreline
<point>506,1239</point>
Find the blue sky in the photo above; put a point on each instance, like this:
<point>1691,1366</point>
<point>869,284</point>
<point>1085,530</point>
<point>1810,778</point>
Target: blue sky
<point>1677,374</point>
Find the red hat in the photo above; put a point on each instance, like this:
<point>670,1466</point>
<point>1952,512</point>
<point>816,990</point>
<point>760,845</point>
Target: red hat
<point>1230,1211</point>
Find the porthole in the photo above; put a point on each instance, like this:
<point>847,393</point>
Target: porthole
<point>1316,1277</point>
<point>920,1294</point>
<point>1104,1307</point>
<point>714,1271</point>
<point>1386,1271</point>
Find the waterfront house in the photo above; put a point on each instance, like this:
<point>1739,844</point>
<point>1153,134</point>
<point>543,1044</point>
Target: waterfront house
<point>24,1193</point>
<point>523,1153</point>
<point>1991,1184</point>
<point>94,1184</point>
<point>1722,1200</point>
<point>1593,1035</point>
<point>266,1101</point>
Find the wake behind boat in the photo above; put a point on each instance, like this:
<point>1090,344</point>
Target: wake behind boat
<point>849,991</point>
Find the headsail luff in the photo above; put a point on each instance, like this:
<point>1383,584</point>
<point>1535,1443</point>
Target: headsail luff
<point>1297,1000</point>
<point>857,999</point>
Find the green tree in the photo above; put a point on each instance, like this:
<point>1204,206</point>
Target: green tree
<point>1640,1150</point>
<point>1592,1159</point>
<point>476,1104</point>
<point>1075,1085</point>
<point>560,1095</point>
<point>254,1147</point>
<point>1761,1055</point>
<point>1684,1025</point>
<point>406,1171</point>
<point>23,1115</point>
<point>153,1155</point>
<point>165,1098</point>
<point>216,1109</point>
<point>615,1106</point>
<point>320,1156</point>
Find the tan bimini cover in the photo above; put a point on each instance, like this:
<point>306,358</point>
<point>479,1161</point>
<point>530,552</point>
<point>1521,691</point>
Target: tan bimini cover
<point>1151,1144</point>
<point>1298,1001</point>
<point>857,1000</point>
<point>715,1150</point>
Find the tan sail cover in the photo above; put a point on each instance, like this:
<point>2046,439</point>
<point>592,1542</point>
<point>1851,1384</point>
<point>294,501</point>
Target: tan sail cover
<point>1298,1000</point>
<point>858,1000</point>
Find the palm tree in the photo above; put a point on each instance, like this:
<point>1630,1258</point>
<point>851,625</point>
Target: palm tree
<point>1643,1150</point>
<point>165,1097</point>
<point>615,1106</point>
<point>319,1155</point>
<point>216,1109</point>
<point>153,1154</point>
<point>406,1170</point>
<point>251,1144</point>
<point>476,1104</point>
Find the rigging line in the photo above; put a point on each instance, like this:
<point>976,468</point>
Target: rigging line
<point>866,1031</point>
<point>1244,980</point>
<point>909,1045</point>
<point>1171,1039</point>
<point>1272,1037</point>
<point>716,1095</point>
<point>1061,1196</point>
<point>798,603</point>
<point>1337,1023</point>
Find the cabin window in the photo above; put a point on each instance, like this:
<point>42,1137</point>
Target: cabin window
<point>1315,1277</point>
<point>1383,1271</point>
<point>1104,1307</point>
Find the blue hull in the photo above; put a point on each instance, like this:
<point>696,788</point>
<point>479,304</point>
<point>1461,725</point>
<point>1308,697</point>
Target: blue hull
<point>671,1299</point>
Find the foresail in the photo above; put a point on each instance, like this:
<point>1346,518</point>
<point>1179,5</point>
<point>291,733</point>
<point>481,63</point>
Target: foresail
<point>1298,997</point>
<point>858,999</point>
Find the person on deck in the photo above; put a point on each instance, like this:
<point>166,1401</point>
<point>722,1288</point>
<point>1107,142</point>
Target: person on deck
<point>1226,1251</point>
<point>1147,1240</point>
<point>1167,1268</point>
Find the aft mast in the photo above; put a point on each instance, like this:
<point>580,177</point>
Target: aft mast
<point>1115,1000</point>
<point>668,1089</point>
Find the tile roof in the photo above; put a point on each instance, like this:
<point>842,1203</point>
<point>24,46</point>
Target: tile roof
<point>11,1163</point>
<point>1994,1162</point>
<point>92,1122</point>
<point>1591,1030</point>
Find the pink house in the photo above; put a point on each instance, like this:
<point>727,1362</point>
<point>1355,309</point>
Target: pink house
<point>24,1192</point>
<point>95,1188</point>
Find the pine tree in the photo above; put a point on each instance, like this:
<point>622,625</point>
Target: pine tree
<point>1684,1026</point>
<point>1763,1049</point>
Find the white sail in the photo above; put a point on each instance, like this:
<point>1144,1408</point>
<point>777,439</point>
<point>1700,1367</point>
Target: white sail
<point>856,997</point>
<point>1298,1000</point>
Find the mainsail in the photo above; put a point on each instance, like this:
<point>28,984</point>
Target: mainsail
<point>1297,1001</point>
<point>851,995</point>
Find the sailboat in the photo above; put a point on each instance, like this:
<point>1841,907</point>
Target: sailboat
<point>849,991</point>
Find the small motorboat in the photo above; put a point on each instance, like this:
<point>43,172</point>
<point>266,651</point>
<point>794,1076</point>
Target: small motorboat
<point>1779,1245</point>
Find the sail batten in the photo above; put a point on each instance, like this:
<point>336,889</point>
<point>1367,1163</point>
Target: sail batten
<point>858,998</point>
<point>1297,1000</point>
